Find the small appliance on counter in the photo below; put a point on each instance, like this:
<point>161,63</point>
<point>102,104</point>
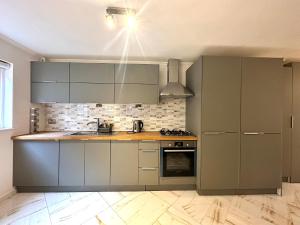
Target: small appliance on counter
<point>137,126</point>
<point>175,132</point>
<point>105,127</point>
<point>34,120</point>
<point>102,127</point>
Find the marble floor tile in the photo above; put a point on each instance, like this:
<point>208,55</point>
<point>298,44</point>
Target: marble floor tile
<point>143,209</point>
<point>21,205</point>
<point>107,217</point>
<point>54,198</point>
<point>112,197</point>
<point>38,218</point>
<point>151,207</point>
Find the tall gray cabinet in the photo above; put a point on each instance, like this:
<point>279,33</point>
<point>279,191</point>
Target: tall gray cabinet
<point>261,123</point>
<point>233,95</point>
<point>291,129</point>
<point>220,122</point>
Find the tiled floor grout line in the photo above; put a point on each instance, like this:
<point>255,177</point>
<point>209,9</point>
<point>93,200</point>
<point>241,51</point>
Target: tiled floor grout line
<point>110,206</point>
<point>48,209</point>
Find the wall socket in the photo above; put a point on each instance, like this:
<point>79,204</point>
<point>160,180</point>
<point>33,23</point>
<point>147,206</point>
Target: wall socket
<point>51,121</point>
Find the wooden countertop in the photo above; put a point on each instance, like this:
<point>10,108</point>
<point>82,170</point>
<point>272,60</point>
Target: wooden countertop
<point>116,136</point>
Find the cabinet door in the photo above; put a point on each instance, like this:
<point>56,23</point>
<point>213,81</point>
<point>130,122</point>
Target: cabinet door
<point>260,161</point>
<point>287,122</point>
<point>35,163</point>
<point>91,93</point>
<point>97,163</point>
<point>221,87</point>
<point>124,163</point>
<point>50,92</point>
<point>295,161</point>
<point>92,73</point>
<point>220,155</point>
<point>71,163</point>
<point>262,81</point>
<point>136,93</point>
<point>49,71</point>
<point>136,73</point>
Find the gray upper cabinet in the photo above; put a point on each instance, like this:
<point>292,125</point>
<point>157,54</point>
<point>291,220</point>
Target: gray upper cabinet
<point>136,93</point>
<point>97,163</point>
<point>260,161</point>
<point>49,72</point>
<point>220,161</point>
<point>35,163</point>
<point>136,73</point>
<point>221,87</point>
<point>262,80</point>
<point>50,92</point>
<point>91,93</point>
<point>92,73</point>
<point>124,163</point>
<point>71,163</point>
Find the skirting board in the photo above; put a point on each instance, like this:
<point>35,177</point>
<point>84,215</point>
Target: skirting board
<point>108,188</point>
<point>7,195</point>
<point>238,192</point>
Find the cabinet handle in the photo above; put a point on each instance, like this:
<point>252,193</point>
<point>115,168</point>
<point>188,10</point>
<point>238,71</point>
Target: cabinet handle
<point>45,102</point>
<point>292,121</point>
<point>148,168</point>
<point>49,81</point>
<point>148,150</point>
<point>253,133</point>
<point>214,133</point>
<point>182,150</point>
<point>148,141</point>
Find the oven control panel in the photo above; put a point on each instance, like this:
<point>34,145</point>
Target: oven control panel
<point>178,144</point>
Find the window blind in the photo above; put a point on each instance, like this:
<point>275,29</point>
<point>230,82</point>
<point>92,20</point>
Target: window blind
<point>6,85</point>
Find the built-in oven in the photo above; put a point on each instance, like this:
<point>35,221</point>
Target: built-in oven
<point>178,158</point>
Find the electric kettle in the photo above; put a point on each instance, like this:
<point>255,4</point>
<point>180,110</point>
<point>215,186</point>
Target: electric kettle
<point>138,126</point>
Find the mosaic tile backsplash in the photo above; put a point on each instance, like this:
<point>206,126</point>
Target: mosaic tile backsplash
<point>170,113</point>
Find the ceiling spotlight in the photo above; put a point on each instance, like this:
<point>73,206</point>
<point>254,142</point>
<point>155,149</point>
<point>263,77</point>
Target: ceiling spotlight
<point>131,21</point>
<point>129,13</point>
<point>110,21</point>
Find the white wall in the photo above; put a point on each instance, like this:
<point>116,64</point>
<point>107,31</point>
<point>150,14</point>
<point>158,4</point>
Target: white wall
<point>21,75</point>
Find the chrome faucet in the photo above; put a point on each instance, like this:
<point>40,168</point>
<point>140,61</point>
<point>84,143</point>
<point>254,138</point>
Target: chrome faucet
<point>98,124</point>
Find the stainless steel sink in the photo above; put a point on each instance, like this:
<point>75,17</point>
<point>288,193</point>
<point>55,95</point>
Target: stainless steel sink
<point>91,133</point>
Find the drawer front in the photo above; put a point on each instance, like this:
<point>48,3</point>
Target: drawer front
<point>148,176</point>
<point>148,158</point>
<point>148,145</point>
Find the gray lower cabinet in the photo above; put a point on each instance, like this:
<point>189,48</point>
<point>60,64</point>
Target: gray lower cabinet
<point>97,163</point>
<point>50,72</point>
<point>124,163</point>
<point>220,155</point>
<point>35,163</point>
<point>260,161</point>
<point>71,163</point>
<point>91,93</point>
<point>136,93</point>
<point>50,92</point>
<point>148,176</point>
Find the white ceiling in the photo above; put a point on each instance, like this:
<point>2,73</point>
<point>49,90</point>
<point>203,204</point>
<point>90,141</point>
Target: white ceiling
<point>166,28</point>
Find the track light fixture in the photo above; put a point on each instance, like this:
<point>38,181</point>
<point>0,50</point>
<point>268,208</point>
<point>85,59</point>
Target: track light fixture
<point>112,12</point>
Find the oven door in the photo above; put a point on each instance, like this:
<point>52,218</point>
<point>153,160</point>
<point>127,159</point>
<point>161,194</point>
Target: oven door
<point>178,162</point>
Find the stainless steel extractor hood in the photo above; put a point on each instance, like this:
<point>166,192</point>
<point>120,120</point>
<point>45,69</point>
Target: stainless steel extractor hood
<point>174,89</point>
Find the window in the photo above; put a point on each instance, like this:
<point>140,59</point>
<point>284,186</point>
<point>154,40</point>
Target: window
<point>6,95</point>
